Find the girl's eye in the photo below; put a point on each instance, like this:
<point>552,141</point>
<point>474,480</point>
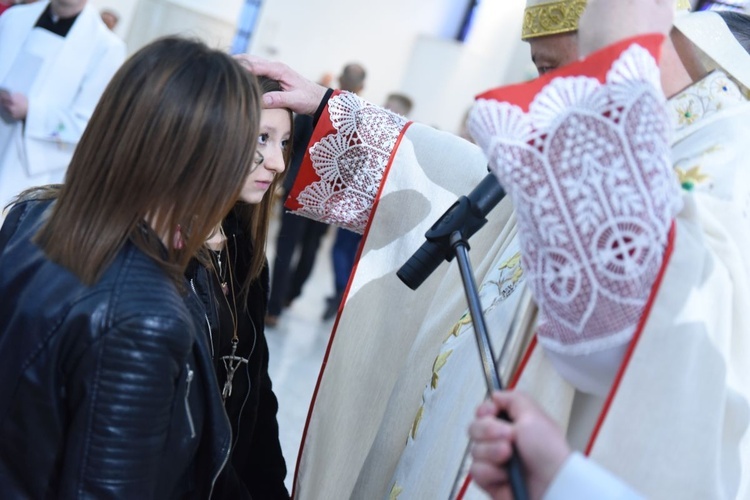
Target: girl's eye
<point>263,139</point>
<point>285,145</point>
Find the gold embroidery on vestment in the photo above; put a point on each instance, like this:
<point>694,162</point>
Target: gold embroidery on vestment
<point>395,492</point>
<point>689,178</point>
<point>417,420</point>
<point>437,365</point>
<point>465,320</point>
<point>552,18</point>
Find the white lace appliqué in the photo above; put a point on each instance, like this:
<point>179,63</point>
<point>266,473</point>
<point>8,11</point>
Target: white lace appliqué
<point>350,162</point>
<point>590,174</point>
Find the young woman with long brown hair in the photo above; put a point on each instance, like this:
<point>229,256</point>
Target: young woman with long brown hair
<point>108,385</point>
<point>233,287</point>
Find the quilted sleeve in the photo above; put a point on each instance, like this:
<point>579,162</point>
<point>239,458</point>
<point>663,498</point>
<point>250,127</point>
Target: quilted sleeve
<point>122,394</point>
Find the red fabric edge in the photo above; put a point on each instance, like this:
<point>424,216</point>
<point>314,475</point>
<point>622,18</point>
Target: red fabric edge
<point>464,487</point>
<point>386,172</point>
<point>307,174</point>
<point>522,366</point>
<point>595,65</point>
<point>633,343</point>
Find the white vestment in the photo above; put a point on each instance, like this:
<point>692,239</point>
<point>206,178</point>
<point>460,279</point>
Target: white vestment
<point>375,431</point>
<point>63,79</point>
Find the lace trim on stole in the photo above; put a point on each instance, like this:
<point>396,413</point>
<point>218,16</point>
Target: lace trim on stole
<point>350,162</point>
<point>589,170</point>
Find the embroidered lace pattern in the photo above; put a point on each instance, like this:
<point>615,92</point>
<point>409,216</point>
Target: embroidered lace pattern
<point>589,170</point>
<point>350,162</point>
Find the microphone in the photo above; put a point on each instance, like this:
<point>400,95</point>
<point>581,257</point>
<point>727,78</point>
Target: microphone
<point>467,215</point>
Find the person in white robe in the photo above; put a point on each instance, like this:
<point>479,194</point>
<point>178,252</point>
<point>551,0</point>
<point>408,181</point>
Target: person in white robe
<point>673,325</point>
<point>56,58</point>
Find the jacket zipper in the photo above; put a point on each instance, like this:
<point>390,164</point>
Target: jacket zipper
<point>205,315</point>
<point>190,375</point>
<point>228,450</point>
<point>221,468</point>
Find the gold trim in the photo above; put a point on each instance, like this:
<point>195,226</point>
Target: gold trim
<point>691,177</point>
<point>552,18</point>
<point>395,492</point>
<point>562,16</point>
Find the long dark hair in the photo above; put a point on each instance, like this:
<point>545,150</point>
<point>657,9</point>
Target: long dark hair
<point>167,144</point>
<point>256,218</point>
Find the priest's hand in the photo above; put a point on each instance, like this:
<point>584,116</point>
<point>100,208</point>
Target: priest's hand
<point>538,440</point>
<point>14,104</point>
<point>300,94</point>
<point>608,21</point>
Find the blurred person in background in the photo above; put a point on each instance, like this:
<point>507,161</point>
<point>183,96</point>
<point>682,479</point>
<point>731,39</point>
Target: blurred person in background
<point>56,58</point>
<point>297,234</point>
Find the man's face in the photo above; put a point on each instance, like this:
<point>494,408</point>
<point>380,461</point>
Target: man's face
<point>553,51</point>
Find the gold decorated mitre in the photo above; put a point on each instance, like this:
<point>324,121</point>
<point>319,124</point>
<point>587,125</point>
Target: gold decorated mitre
<point>545,17</point>
<point>552,17</point>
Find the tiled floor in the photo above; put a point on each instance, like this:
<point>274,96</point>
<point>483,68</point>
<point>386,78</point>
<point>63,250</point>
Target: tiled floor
<point>296,347</point>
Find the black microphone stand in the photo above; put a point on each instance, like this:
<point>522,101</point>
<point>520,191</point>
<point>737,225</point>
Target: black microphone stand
<point>451,233</point>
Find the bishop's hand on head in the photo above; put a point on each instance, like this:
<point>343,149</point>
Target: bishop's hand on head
<point>301,95</point>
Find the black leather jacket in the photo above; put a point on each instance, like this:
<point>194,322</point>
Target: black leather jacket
<point>105,390</point>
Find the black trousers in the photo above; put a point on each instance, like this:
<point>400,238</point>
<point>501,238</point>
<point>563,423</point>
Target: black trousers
<point>295,233</point>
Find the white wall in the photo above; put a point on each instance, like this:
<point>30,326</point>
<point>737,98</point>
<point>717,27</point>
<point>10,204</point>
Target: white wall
<point>321,36</point>
<point>402,45</point>
<point>156,18</point>
<point>405,45</point>
<point>141,21</point>
<point>226,10</point>
<point>444,76</point>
